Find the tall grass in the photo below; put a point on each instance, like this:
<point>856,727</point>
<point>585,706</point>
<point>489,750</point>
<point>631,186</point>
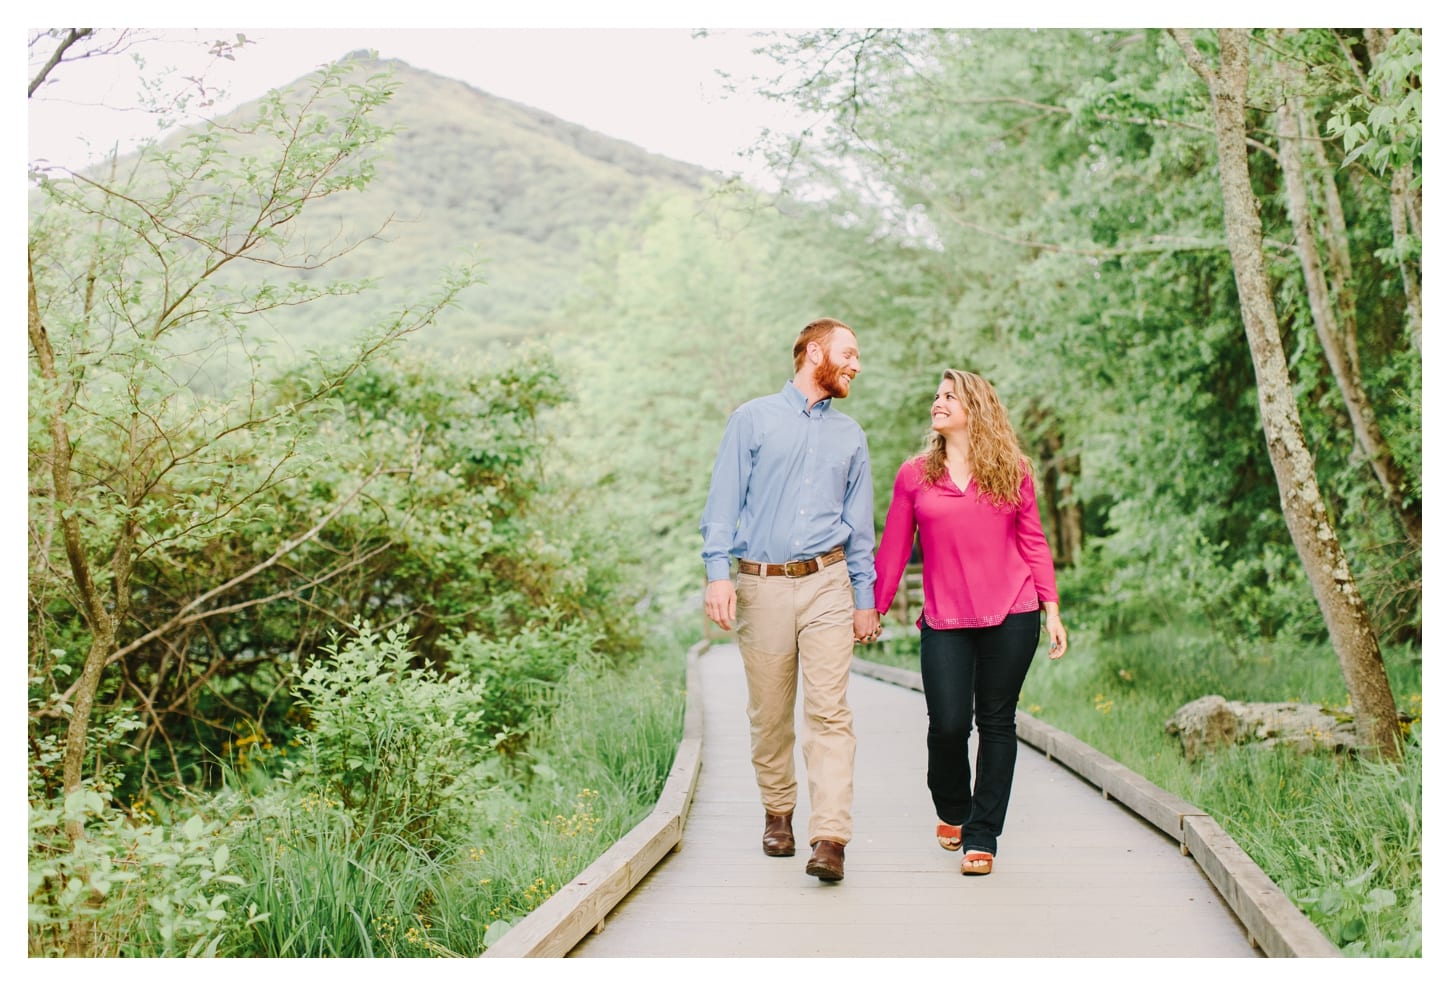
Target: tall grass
<point>1340,835</point>
<point>320,888</point>
<point>326,880</point>
<point>597,772</point>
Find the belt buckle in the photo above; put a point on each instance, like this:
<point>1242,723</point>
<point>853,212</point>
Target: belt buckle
<point>795,569</point>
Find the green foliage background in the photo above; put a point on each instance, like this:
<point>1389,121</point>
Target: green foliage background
<point>512,467</point>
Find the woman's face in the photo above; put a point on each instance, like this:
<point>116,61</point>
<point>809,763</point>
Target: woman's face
<point>947,412</point>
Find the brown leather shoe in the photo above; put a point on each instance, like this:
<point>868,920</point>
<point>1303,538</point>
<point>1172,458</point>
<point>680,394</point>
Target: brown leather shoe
<point>828,861</point>
<point>778,840</point>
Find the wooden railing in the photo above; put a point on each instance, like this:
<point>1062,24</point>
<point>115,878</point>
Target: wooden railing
<point>1275,925</point>
<point>1274,922</point>
<point>581,906</point>
<point>906,607</point>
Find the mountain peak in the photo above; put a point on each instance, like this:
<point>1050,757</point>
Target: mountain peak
<point>469,173</point>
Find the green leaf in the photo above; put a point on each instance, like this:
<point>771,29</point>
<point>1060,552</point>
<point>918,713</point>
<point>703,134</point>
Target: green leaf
<point>1361,878</point>
<point>1331,899</point>
<point>1379,898</point>
<point>1352,930</point>
<point>495,931</point>
<point>83,802</point>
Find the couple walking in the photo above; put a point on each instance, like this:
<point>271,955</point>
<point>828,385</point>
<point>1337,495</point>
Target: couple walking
<point>790,500</point>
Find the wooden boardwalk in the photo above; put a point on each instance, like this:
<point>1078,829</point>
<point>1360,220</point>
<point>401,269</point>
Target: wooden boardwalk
<point>1078,874</point>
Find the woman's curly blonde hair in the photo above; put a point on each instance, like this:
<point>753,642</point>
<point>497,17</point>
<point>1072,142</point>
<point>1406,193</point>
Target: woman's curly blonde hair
<point>998,464</point>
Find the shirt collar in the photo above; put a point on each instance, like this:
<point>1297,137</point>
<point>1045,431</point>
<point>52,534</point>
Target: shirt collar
<point>798,400</point>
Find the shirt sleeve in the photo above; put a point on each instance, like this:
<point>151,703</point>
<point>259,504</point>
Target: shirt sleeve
<point>728,483</point>
<point>1032,543</point>
<point>859,513</point>
<point>897,537</point>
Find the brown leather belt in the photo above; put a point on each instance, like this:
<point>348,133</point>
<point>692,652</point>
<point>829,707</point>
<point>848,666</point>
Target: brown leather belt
<point>795,569</point>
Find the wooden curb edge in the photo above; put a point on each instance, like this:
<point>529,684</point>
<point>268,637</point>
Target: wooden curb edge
<point>580,906</point>
<point>1273,922</point>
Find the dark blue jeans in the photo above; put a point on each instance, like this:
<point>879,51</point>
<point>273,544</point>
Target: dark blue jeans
<point>975,672</point>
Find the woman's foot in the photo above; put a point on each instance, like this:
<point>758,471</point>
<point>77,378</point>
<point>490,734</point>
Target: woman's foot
<point>949,837</point>
<point>976,863</point>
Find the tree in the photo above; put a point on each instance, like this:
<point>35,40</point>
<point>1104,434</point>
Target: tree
<point>130,305</point>
<point>1061,205</point>
<point>1329,279</point>
<point>676,324</point>
<point>1310,526</point>
<point>1381,126</point>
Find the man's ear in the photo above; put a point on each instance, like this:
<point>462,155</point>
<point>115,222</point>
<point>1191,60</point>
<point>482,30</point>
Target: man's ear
<point>814,352</point>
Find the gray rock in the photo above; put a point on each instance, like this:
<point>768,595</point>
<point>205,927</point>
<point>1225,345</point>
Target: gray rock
<point>1204,724</point>
<point>1213,721</point>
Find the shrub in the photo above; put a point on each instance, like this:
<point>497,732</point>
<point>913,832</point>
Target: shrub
<point>127,887</point>
<point>398,747</point>
<point>519,675</point>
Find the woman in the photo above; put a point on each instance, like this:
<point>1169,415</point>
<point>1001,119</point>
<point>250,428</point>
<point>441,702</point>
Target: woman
<point>986,572</point>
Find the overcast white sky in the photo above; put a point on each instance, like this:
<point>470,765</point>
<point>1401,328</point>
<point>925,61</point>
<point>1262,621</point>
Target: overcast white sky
<point>629,70</point>
<point>656,87</point>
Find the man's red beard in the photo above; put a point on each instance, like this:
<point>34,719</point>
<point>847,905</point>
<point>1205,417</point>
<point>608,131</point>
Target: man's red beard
<point>828,378</point>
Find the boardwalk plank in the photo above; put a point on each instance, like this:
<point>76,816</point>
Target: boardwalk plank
<point>1078,875</point>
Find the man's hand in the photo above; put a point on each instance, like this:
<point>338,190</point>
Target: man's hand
<point>866,623</point>
<point>720,603</point>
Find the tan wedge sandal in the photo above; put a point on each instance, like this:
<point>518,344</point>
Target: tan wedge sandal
<point>949,837</point>
<point>976,863</point>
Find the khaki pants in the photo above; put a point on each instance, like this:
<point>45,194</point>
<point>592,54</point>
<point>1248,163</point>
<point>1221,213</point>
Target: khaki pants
<point>801,627</point>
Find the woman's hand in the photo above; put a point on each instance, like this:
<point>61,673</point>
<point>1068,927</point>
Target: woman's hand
<point>1056,633</point>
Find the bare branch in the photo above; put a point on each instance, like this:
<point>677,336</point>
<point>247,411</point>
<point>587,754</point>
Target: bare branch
<point>71,37</point>
<point>191,612</point>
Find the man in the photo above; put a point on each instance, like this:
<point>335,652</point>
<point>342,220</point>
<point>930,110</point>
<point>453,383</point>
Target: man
<point>790,498</point>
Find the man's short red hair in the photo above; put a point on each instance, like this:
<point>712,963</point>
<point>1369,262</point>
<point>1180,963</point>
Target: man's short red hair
<point>818,332</point>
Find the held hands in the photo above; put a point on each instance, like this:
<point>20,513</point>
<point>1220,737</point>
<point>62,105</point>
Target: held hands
<point>720,603</point>
<point>866,625</point>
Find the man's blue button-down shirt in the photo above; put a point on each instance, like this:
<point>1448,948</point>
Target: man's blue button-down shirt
<point>791,482</point>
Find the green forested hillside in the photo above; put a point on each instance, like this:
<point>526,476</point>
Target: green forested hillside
<point>468,176</point>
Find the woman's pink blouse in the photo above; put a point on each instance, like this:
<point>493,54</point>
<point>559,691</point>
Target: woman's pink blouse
<point>980,562</point>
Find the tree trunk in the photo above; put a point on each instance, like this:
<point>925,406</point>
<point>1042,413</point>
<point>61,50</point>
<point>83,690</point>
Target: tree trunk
<point>1061,510</point>
<point>1345,614</point>
<point>1335,321</point>
<point>97,616</point>
<point>1405,213</point>
<point>103,626</point>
